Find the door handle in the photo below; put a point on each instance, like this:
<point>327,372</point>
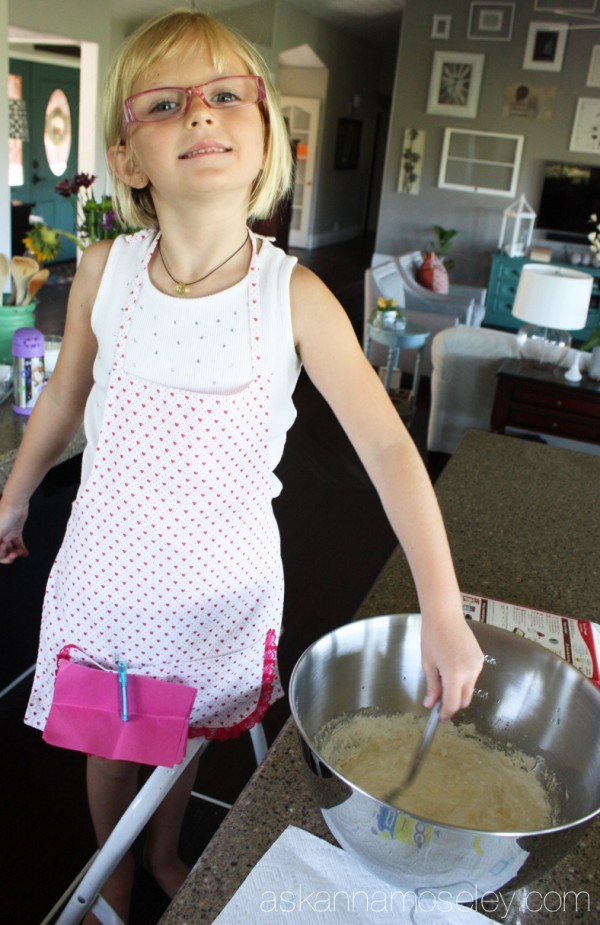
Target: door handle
<point>36,178</point>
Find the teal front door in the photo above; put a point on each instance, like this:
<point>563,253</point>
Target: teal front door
<point>52,97</point>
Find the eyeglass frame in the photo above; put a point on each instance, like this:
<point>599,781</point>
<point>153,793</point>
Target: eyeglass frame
<point>190,92</point>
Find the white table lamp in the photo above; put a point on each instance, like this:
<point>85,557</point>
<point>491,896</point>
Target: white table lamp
<point>553,301</point>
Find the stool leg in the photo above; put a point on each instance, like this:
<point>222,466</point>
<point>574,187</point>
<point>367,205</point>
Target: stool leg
<point>124,834</point>
<point>105,914</point>
<point>259,742</point>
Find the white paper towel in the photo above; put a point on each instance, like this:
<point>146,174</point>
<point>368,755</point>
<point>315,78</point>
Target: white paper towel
<point>303,880</point>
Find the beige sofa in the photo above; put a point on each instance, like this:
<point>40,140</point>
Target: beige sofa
<point>465,361</point>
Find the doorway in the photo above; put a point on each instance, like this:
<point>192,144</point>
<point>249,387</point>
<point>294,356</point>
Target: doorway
<point>52,96</point>
<point>302,117</point>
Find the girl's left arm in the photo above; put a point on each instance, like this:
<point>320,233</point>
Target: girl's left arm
<point>334,361</point>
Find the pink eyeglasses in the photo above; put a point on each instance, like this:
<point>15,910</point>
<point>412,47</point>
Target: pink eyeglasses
<point>165,103</point>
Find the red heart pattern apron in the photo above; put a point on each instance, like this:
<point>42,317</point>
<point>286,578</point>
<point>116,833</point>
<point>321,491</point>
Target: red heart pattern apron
<point>171,558</point>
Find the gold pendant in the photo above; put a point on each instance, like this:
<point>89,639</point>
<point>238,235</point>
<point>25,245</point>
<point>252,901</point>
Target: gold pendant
<point>181,289</point>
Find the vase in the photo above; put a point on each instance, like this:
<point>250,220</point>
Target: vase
<point>13,317</point>
<point>594,368</point>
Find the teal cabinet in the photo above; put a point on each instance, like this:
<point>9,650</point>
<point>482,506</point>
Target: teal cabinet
<point>502,288</point>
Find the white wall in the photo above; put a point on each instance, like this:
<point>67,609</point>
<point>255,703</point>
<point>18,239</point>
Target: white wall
<point>94,31</point>
<point>355,69</point>
<point>405,220</point>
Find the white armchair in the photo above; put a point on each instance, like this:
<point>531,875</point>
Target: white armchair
<point>468,301</point>
<point>390,277</point>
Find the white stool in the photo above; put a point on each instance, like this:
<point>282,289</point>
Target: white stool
<point>86,895</point>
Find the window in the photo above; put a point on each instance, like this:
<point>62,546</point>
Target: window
<point>480,162</point>
<point>57,132</point>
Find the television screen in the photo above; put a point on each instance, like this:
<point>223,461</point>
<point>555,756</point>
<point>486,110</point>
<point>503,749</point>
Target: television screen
<point>570,194</point>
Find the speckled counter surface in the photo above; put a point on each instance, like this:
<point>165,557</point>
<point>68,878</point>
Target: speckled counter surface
<point>12,428</point>
<point>524,525</point>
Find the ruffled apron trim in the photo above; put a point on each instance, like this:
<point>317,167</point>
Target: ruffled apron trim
<point>263,704</point>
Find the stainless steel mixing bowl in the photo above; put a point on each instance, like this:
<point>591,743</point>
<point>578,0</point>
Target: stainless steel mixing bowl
<point>527,696</point>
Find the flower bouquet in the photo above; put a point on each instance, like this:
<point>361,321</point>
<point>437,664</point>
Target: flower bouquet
<point>94,220</point>
<point>387,314</point>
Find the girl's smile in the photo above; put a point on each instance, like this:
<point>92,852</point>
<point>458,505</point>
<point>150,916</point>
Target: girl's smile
<point>206,147</point>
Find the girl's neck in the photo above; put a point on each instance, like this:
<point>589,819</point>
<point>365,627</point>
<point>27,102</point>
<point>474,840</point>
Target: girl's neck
<point>192,260</point>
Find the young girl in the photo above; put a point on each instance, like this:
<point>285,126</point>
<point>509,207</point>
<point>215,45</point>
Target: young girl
<point>182,347</point>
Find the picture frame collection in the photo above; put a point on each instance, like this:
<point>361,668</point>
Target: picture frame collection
<point>456,77</point>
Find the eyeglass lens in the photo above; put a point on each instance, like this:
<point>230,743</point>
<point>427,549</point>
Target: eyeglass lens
<point>169,102</point>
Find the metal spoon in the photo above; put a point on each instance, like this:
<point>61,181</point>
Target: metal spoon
<point>420,753</point>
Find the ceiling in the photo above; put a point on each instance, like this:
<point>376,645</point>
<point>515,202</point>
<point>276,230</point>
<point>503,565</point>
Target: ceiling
<point>377,21</point>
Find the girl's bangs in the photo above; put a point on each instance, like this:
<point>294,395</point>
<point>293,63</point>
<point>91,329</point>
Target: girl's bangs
<point>205,39</point>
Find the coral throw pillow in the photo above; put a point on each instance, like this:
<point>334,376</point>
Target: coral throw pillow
<point>432,274</point>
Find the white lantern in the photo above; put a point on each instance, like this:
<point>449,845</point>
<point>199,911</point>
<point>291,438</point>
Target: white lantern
<point>517,228</point>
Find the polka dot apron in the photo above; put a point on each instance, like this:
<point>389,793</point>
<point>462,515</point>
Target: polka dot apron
<point>171,558</point>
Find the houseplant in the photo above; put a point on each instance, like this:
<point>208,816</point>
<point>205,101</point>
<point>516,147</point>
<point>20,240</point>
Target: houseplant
<point>433,272</point>
<point>441,245</point>
<point>388,314</point>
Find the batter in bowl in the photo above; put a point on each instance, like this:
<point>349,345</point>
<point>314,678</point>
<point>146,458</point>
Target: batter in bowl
<point>464,781</point>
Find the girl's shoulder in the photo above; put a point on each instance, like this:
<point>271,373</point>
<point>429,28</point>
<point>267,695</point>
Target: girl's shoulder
<point>117,262</point>
<point>127,250</point>
<point>274,261</point>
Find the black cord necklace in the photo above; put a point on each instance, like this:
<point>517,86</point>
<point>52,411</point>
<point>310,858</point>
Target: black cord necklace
<point>183,288</point>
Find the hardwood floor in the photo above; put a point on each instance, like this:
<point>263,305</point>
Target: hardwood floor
<point>335,540</point>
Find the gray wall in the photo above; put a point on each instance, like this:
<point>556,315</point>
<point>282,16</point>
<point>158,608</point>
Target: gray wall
<point>405,220</point>
<point>355,68</point>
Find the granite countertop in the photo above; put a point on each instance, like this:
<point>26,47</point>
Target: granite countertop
<point>524,522</point>
<point>12,428</point>
<point>49,319</point>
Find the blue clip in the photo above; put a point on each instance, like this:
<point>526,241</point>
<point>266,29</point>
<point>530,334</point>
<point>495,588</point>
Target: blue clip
<point>123,691</point>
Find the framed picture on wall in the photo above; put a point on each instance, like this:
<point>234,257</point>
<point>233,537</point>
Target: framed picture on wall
<point>545,46</point>
<point>347,144</point>
<point>440,26</point>
<point>411,161</point>
<point>569,6</point>
<point>491,22</point>
<point>593,77</point>
<point>455,84</point>
<point>585,137</point>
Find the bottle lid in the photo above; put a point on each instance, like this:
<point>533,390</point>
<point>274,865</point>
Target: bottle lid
<point>28,343</point>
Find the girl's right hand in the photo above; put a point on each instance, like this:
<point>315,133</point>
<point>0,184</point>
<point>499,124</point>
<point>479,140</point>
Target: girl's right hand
<point>12,521</point>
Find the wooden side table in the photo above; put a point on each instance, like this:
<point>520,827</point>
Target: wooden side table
<point>411,337</point>
<point>540,399</point>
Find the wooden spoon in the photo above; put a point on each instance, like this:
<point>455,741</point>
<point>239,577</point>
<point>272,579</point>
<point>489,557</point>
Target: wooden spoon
<point>22,269</point>
<point>35,284</point>
<point>4,273</point>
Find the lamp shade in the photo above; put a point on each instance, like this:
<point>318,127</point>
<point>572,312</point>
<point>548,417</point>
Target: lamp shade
<point>553,297</point>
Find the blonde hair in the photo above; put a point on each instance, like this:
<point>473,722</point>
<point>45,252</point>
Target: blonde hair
<point>165,35</point>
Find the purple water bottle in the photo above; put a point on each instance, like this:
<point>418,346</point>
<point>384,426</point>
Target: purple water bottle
<point>28,368</point>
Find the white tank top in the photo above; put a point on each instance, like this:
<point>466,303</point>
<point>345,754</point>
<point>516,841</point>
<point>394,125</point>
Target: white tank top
<point>196,344</point>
